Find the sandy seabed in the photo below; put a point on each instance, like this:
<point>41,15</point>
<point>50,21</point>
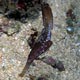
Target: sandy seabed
<point>14,50</point>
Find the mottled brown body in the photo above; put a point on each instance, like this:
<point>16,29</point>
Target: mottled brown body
<point>43,43</point>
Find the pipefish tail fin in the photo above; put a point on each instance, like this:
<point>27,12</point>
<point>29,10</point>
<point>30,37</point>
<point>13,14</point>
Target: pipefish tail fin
<point>24,70</point>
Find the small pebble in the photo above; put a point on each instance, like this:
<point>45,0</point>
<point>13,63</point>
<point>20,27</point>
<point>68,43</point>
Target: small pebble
<point>41,78</point>
<point>70,29</point>
<point>3,50</point>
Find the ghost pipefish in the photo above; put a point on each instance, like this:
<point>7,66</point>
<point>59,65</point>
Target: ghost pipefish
<point>43,43</point>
